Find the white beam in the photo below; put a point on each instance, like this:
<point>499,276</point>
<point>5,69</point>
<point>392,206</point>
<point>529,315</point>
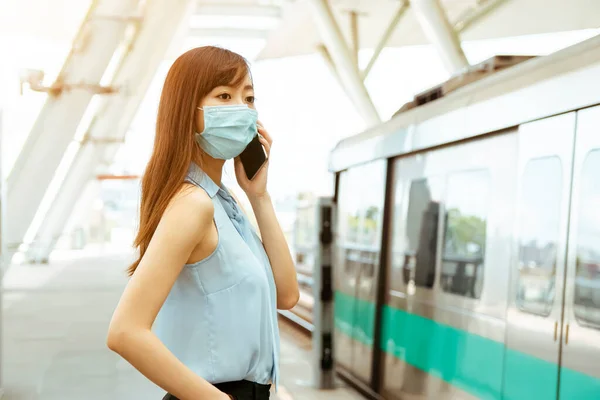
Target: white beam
<point>344,62</point>
<point>440,33</point>
<point>385,38</point>
<point>233,22</point>
<point>354,35</point>
<point>476,13</point>
<point>229,33</point>
<point>232,9</point>
<point>60,116</point>
<point>114,118</point>
<point>322,50</point>
<point>80,172</point>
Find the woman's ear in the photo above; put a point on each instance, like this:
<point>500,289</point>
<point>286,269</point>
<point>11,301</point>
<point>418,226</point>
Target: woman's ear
<point>199,121</point>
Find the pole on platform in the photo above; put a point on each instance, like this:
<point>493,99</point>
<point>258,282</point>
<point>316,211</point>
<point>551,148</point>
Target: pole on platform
<point>322,336</point>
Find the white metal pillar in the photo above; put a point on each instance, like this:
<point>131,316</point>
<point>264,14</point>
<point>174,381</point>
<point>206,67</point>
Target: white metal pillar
<point>3,260</point>
<point>342,57</point>
<point>101,34</point>
<point>70,191</point>
<point>440,33</point>
<point>161,21</point>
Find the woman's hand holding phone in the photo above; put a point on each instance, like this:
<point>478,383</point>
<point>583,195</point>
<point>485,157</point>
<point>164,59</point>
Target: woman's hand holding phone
<point>257,187</point>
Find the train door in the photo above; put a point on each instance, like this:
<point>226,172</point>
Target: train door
<point>580,339</point>
<point>369,256</point>
<point>346,267</point>
<point>360,212</point>
<point>534,314</point>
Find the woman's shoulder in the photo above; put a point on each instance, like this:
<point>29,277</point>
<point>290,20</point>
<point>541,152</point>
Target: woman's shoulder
<point>192,205</point>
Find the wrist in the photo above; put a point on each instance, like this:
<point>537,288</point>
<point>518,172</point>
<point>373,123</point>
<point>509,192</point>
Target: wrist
<point>258,199</point>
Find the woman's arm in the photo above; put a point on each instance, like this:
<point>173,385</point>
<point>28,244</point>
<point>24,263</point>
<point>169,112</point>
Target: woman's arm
<point>185,222</point>
<point>284,270</point>
<point>272,237</point>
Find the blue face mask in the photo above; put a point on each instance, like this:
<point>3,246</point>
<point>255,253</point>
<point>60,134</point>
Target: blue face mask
<point>227,130</point>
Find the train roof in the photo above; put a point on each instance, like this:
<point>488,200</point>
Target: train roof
<point>532,89</point>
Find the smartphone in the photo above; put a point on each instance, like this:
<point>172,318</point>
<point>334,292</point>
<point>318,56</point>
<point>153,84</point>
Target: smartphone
<point>253,158</point>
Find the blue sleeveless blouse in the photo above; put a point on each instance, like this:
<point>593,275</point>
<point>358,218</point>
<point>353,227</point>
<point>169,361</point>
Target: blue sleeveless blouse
<point>220,318</point>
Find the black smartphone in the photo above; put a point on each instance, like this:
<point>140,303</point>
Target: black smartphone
<point>253,158</point>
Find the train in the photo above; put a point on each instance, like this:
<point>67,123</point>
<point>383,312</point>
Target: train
<point>467,240</point>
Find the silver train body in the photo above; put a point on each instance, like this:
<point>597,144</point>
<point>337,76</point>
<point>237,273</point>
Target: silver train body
<point>468,240</point>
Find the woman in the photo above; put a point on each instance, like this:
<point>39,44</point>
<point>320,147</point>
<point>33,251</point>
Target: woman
<point>204,280</point>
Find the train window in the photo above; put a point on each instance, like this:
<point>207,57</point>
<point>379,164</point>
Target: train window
<point>360,219</point>
<point>587,279</point>
<point>349,208</point>
<point>539,221</point>
<point>347,229</point>
<point>372,194</point>
<point>361,197</point>
<point>463,255</point>
<point>418,263</point>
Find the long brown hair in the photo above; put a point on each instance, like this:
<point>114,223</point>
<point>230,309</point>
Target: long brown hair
<point>191,77</point>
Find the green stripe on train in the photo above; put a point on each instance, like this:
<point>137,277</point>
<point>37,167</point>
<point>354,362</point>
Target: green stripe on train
<point>470,362</point>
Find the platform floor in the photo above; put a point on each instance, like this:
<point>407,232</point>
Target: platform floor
<point>55,319</point>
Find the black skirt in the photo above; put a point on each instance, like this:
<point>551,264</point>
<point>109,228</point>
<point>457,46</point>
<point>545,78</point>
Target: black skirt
<point>240,390</point>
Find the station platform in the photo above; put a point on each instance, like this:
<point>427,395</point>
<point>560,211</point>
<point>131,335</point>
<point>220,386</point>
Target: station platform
<point>55,319</point>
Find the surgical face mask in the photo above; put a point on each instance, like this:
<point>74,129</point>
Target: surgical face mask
<point>227,130</point>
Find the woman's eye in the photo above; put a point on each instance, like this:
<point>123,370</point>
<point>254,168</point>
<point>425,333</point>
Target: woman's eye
<point>224,96</point>
<point>250,99</point>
